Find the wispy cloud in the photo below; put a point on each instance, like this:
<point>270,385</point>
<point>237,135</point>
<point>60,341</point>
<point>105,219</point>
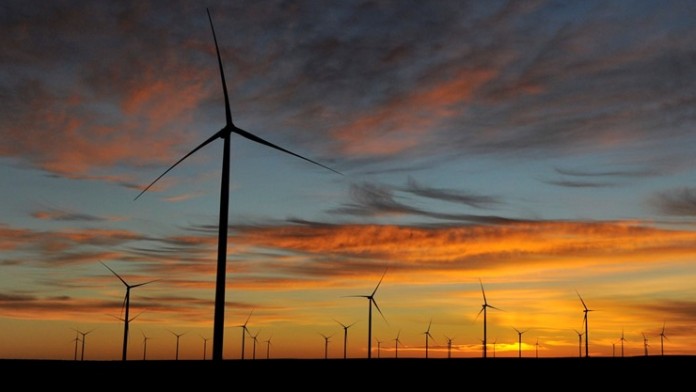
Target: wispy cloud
<point>678,202</point>
<point>451,195</point>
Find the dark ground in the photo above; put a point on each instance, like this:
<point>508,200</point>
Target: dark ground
<point>642,373</point>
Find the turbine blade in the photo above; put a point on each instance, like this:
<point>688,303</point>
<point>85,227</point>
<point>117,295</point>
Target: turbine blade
<point>259,140</point>
<point>484,292</point>
<point>114,272</point>
<point>228,113</point>
<point>143,284</point>
<point>379,310</point>
<point>379,283</point>
<point>493,307</point>
<point>247,320</point>
<point>479,313</point>
<point>581,300</point>
<point>356,296</point>
<point>217,134</point>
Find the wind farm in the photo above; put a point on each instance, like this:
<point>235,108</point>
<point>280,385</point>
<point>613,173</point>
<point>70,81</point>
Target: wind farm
<point>417,151</point>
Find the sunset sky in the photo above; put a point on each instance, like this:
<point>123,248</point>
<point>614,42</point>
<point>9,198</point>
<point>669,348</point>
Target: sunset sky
<point>543,148</point>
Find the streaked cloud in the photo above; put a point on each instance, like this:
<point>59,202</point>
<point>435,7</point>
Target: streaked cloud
<point>678,202</point>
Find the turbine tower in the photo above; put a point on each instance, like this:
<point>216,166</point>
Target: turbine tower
<point>268,347</point>
<point>205,346</point>
<point>345,337</point>
<point>371,301</point>
<point>84,334</point>
<point>255,338</point>
<point>126,305</point>
<point>519,333</point>
<point>587,334</point>
<point>428,336</point>
<point>225,134</point>
<point>645,344</point>
<point>397,342</point>
<point>145,339</point>
<point>76,340</point>
<point>449,346</point>
<point>579,342</point>
<point>245,330</point>
<point>178,335</point>
<point>484,308</point>
<point>326,345</point>
<point>622,343</point>
<point>662,340</point>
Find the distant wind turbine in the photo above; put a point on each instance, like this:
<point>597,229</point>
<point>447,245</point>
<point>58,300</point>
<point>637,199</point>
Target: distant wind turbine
<point>326,345</point>
<point>579,342</point>
<point>494,342</point>
<point>397,342</point>
<point>371,301</point>
<point>484,308</point>
<point>587,333</point>
<point>428,336</point>
<point>145,339</point>
<point>449,346</point>
<point>77,339</point>
<point>345,337</point>
<point>519,333</point>
<point>84,334</point>
<point>622,343</point>
<point>225,133</point>
<point>645,344</point>
<point>205,346</point>
<point>255,338</point>
<point>245,330</point>
<point>178,335</point>
<point>662,340</point>
<point>268,347</point>
<point>537,348</point>
<point>379,348</point>
<point>126,306</point>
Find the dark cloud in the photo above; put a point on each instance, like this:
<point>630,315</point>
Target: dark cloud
<point>451,195</point>
<point>67,216</point>
<point>677,202</point>
<point>579,184</point>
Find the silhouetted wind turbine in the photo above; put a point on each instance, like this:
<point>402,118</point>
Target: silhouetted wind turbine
<point>494,342</point>
<point>622,343</point>
<point>245,330</point>
<point>428,336</point>
<point>645,344</point>
<point>268,347</point>
<point>256,340</point>
<point>225,133</point>
<point>397,342</point>
<point>178,335</point>
<point>579,342</point>
<point>145,339</point>
<point>84,334</point>
<point>126,305</point>
<point>205,346</point>
<point>662,340</point>
<point>345,337</point>
<point>485,318</point>
<point>371,301</point>
<point>77,339</point>
<point>587,334</point>
<point>519,333</point>
<point>326,345</point>
<point>449,347</point>
<point>537,347</point>
<point>379,348</point>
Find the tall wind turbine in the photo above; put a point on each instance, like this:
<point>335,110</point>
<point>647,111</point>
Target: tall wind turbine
<point>126,305</point>
<point>205,346</point>
<point>268,347</point>
<point>519,333</point>
<point>662,340</point>
<point>428,336</point>
<point>345,337</point>
<point>77,339</point>
<point>484,308</point>
<point>84,334</point>
<point>245,330</point>
<point>178,335</point>
<point>225,134</point>
<point>371,301</point>
<point>397,342</point>
<point>145,339</point>
<point>622,343</point>
<point>580,342</point>
<point>587,333</point>
<point>255,338</point>
<point>326,345</point>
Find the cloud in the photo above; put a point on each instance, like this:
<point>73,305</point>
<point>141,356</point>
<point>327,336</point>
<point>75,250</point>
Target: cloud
<point>678,202</point>
<point>451,195</point>
<point>67,216</point>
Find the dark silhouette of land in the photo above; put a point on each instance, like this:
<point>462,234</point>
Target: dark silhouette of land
<point>542,373</point>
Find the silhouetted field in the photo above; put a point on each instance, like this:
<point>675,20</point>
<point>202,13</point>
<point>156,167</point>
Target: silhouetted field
<point>461,373</point>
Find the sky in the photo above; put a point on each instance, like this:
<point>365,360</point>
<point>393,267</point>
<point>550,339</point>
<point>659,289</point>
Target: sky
<point>541,150</point>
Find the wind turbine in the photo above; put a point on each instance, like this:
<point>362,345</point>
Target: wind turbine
<point>662,340</point>
<point>345,336</point>
<point>205,346</point>
<point>537,347</point>
<point>587,333</point>
<point>519,333</point>
<point>326,345</point>
<point>371,301</point>
<point>245,330</point>
<point>268,347</point>
<point>645,344</point>
<point>256,340</point>
<point>126,305</point>
<point>84,334</point>
<point>145,339</point>
<point>77,339</point>
<point>379,348</point>
<point>225,133</point>
<point>449,346</point>
<point>178,335</point>
<point>397,342</point>
<point>580,341</point>
<point>622,343</point>
<point>428,336</point>
<point>485,318</point>
<point>494,342</point>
